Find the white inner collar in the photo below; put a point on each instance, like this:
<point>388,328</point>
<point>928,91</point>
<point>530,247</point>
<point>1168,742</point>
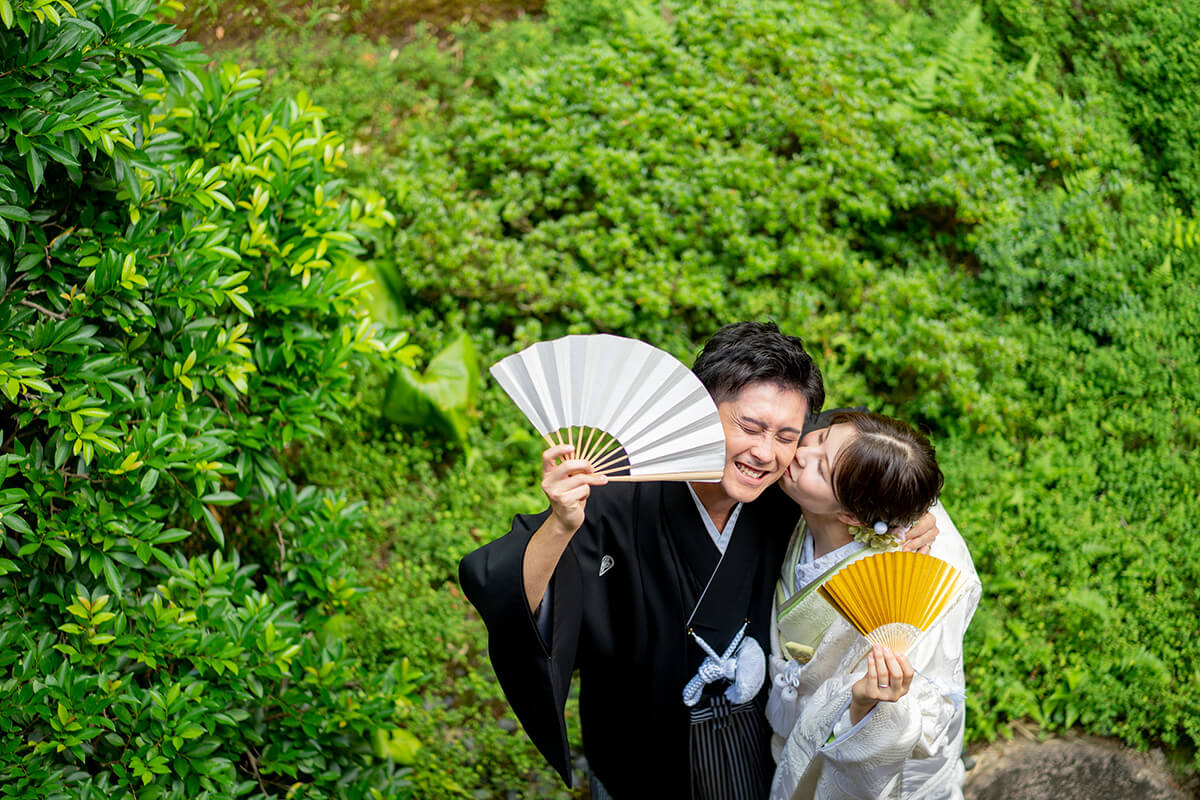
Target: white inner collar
<point>809,569</point>
<point>719,538</point>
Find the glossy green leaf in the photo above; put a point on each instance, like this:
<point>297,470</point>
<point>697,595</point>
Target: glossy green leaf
<point>396,744</point>
<point>443,396</point>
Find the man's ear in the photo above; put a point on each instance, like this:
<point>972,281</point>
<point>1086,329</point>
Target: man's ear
<point>849,519</point>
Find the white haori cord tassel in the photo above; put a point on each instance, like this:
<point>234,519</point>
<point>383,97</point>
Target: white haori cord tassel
<point>956,697</point>
<point>742,663</point>
<point>787,678</point>
<point>782,709</point>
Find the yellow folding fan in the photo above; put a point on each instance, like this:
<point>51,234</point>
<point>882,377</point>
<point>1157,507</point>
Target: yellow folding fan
<point>631,410</point>
<point>892,598</point>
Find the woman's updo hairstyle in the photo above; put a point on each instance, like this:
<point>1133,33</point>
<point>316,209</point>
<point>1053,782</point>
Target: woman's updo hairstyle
<point>887,473</point>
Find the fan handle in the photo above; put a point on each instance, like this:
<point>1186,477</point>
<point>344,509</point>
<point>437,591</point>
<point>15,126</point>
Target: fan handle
<point>670,476</point>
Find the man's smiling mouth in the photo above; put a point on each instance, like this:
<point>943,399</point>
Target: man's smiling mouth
<point>749,472</point>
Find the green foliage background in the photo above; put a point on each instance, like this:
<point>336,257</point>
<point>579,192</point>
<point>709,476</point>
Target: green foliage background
<point>981,218</point>
<point>1138,59</point>
<point>179,306</point>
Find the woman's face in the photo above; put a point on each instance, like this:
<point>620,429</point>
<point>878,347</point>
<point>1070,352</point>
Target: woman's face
<point>809,478</point>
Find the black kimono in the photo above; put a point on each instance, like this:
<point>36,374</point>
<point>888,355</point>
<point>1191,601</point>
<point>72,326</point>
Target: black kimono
<point>621,596</point>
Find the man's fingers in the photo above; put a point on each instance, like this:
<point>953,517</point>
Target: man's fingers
<point>567,471</point>
<point>919,542</point>
<point>551,455</point>
<point>921,534</point>
<point>576,495</point>
<point>568,477</point>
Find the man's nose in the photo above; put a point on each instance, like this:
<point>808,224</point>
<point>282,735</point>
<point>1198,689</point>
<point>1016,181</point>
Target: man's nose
<point>761,449</point>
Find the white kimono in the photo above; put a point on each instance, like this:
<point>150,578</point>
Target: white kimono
<point>908,749</point>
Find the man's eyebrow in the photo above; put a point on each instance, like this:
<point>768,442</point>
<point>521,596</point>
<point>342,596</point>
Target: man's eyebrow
<point>764,425</point>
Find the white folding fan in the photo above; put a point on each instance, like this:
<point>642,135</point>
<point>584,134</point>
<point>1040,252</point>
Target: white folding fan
<point>631,410</point>
<point>892,598</point>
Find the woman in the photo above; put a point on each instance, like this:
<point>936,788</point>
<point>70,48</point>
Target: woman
<point>852,719</point>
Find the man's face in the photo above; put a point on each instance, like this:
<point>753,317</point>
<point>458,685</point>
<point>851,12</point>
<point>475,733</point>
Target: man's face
<point>762,425</point>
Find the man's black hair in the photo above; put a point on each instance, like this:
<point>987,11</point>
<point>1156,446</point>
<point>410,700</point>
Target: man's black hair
<point>745,353</point>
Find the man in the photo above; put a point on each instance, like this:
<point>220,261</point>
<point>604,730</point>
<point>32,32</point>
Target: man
<point>630,581</point>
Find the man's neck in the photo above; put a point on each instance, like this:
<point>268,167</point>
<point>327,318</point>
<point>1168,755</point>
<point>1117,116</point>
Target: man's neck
<point>828,533</point>
<point>716,502</point>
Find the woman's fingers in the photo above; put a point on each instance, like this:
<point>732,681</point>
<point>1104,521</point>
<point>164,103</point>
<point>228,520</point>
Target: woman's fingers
<point>895,674</point>
<point>889,677</point>
<point>906,669</point>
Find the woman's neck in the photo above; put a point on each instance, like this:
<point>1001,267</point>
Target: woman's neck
<point>828,533</point>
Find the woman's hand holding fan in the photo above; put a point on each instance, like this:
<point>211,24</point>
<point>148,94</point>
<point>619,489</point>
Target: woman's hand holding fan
<point>889,677</point>
<point>892,599</point>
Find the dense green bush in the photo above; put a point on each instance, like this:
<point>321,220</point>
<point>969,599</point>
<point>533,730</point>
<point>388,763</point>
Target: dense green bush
<point>216,22</point>
<point>679,174</point>
<point>425,510</point>
<point>379,91</point>
<point>1137,60</point>
<point>958,242</point>
<point>961,246</point>
<point>178,305</point>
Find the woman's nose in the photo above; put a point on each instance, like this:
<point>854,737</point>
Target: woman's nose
<point>802,454</point>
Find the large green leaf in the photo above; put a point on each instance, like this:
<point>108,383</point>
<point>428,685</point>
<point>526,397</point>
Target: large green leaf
<point>397,744</point>
<point>443,397</point>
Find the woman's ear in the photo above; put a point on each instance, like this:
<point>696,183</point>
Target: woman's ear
<point>849,519</point>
